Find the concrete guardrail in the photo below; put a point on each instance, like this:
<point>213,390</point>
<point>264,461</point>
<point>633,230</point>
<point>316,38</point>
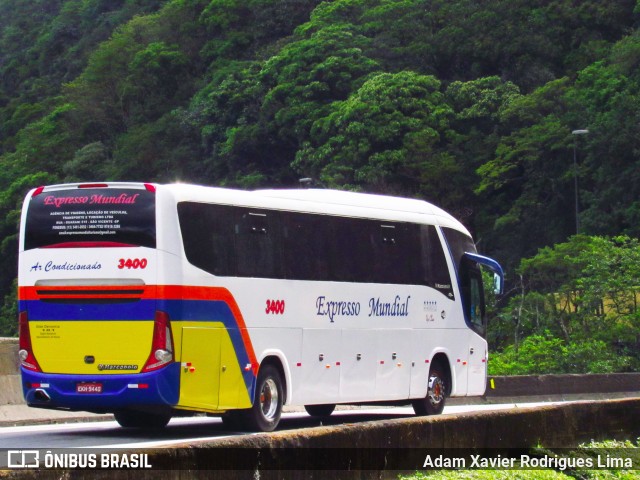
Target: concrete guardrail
<point>383,448</point>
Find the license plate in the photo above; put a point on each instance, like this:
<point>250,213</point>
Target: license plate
<point>89,388</point>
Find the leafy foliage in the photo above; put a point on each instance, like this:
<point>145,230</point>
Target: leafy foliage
<point>546,354</point>
<point>578,300</point>
<point>383,136</point>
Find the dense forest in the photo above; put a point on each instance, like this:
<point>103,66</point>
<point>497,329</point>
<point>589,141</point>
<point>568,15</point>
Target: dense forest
<point>467,104</point>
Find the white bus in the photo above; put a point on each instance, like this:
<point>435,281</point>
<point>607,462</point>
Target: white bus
<point>150,301</point>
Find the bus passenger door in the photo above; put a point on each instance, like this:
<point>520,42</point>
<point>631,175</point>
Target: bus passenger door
<point>474,310</point>
<point>200,367</point>
<point>473,304</point>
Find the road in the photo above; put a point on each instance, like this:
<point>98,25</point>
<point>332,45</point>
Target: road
<point>108,434</point>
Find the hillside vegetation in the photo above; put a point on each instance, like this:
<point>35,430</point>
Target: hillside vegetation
<point>467,104</point>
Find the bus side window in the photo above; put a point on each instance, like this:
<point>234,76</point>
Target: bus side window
<point>396,250</point>
<point>258,244</point>
<point>350,250</point>
<point>305,244</point>
<point>208,238</point>
<point>435,272</point>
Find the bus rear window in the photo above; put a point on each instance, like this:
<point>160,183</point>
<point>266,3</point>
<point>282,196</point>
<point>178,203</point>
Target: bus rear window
<point>91,217</point>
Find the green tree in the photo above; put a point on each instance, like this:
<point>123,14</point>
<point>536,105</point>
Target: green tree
<point>47,43</point>
<point>476,131</point>
<point>385,137</point>
<point>236,29</point>
<point>529,182</point>
<point>605,99</point>
<point>309,74</point>
<point>254,116</point>
<point>581,292</point>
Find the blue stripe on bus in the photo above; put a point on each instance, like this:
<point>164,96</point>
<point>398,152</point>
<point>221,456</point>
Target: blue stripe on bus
<point>39,310</point>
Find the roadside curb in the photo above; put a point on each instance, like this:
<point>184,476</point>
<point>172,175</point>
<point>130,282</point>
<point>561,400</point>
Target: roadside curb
<point>23,415</point>
<point>52,421</point>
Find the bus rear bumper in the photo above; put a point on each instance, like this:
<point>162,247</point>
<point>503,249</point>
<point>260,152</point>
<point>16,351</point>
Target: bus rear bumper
<point>102,393</point>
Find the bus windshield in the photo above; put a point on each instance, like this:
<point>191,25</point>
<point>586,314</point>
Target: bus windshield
<point>91,217</point>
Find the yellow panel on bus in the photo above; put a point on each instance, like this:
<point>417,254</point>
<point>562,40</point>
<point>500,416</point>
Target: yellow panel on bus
<point>211,378</point>
<point>91,347</point>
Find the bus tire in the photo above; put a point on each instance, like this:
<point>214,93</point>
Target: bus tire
<point>320,410</point>
<point>433,402</point>
<point>139,419</point>
<point>264,416</point>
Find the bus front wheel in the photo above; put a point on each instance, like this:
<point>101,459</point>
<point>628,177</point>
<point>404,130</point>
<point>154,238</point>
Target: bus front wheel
<point>265,414</point>
<point>433,402</point>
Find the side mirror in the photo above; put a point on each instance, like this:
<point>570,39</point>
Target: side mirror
<point>498,286</point>
<point>491,264</point>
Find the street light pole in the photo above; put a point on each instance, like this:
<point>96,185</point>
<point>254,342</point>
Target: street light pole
<point>575,174</point>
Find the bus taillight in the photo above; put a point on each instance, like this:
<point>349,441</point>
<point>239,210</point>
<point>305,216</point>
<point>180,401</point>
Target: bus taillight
<point>161,345</point>
<point>27,359</point>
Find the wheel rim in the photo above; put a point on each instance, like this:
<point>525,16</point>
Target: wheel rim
<point>436,390</point>
<point>269,399</point>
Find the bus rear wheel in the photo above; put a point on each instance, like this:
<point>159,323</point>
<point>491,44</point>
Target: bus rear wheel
<point>139,419</point>
<point>433,402</point>
<point>320,410</point>
<point>265,414</point>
